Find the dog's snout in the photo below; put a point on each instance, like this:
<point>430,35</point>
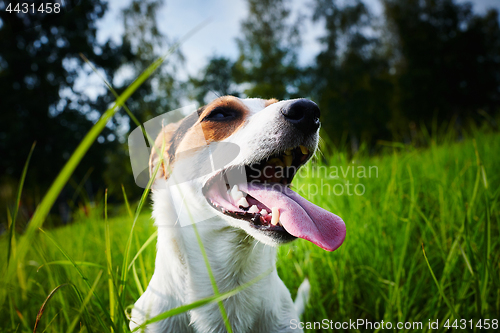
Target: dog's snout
<point>303,114</point>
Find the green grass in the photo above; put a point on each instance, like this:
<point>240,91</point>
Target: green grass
<point>443,198</point>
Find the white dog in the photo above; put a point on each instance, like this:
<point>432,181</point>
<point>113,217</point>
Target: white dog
<point>227,167</point>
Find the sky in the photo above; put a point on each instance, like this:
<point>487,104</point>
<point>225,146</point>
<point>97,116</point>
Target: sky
<point>218,37</point>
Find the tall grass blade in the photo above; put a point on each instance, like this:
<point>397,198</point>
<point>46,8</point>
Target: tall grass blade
<point>70,263</point>
<point>212,280</point>
<point>467,221</point>
<point>137,281</point>
<point>42,308</point>
<point>18,202</point>
<point>151,239</point>
<point>108,260</point>
<point>86,315</point>
<point>127,205</point>
<point>486,252</point>
<point>73,324</point>
<point>144,277</point>
<point>125,267</point>
<point>441,292</point>
<point>472,267</point>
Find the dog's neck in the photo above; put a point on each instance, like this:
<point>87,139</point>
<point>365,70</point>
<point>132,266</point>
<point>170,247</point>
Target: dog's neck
<point>234,257</point>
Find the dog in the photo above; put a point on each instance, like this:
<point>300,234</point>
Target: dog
<point>240,221</point>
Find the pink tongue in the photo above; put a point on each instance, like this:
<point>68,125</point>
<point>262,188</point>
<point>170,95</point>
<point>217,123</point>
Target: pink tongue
<point>300,217</point>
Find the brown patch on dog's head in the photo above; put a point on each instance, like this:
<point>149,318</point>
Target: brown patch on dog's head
<point>270,101</point>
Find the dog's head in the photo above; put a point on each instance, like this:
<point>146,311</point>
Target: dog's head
<point>236,158</point>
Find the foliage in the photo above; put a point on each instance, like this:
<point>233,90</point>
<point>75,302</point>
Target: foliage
<point>216,78</point>
<point>350,80</point>
<point>161,93</point>
<point>268,50</point>
<point>41,62</point>
<point>39,67</point>
<point>449,64</point>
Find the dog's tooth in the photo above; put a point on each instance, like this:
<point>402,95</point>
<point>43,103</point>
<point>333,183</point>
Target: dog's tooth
<point>236,194</point>
<point>243,202</point>
<point>263,212</point>
<point>235,189</point>
<point>275,216</point>
<point>254,209</point>
<point>304,150</point>
<point>288,160</point>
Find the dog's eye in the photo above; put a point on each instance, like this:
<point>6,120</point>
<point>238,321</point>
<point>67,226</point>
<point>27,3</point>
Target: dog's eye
<point>220,114</point>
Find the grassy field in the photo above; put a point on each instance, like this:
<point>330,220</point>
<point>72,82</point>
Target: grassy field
<point>444,198</point>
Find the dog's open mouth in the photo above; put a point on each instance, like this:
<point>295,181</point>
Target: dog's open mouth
<point>265,200</point>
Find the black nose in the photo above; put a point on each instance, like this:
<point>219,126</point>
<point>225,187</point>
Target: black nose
<point>303,114</point>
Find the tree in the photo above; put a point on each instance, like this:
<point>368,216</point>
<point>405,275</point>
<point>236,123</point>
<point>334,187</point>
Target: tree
<point>350,79</point>
<point>162,92</point>
<point>268,50</point>
<point>39,64</point>
<point>216,78</point>
<point>158,94</point>
<point>449,65</point>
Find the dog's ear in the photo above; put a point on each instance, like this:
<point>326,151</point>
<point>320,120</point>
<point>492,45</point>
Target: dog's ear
<point>167,143</point>
<point>161,150</point>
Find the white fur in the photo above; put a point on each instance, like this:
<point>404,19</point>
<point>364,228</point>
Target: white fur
<point>237,253</point>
